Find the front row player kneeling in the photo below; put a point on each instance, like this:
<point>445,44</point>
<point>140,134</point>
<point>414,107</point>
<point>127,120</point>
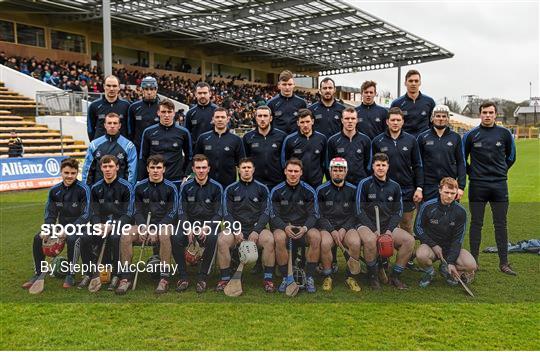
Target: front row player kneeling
<point>67,203</point>
<point>247,202</point>
<point>379,190</point>
<point>158,197</point>
<point>110,200</point>
<point>337,223</point>
<point>440,226</point>
<point>199,215</point>
<point>293,216</point>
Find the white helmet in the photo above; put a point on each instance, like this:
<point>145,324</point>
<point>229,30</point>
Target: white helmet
<point>338,162</point>
<point>440,108</point>
<point>248,252</point>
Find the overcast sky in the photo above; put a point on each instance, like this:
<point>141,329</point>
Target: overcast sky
<point>495,45</point>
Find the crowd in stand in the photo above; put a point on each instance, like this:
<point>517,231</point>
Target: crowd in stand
<point>79,77</point>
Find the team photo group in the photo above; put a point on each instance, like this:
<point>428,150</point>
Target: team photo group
<point>308,184</point>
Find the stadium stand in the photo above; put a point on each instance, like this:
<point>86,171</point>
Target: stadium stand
<point>16,114</point>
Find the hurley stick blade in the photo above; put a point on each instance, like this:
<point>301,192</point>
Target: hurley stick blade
<point>142,251</point>
<point>292,286</point>
<point>468,290</point>
<point>38,285</point>
<point>352,263</point>
<point>234,286</point>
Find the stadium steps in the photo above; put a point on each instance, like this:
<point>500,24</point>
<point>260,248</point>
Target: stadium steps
<point>17,113</point>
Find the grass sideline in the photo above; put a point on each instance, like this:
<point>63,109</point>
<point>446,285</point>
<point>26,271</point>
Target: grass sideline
<point>504,315</point>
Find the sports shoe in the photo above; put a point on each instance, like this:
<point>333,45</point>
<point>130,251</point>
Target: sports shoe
<point>353,284</point>
<point>221,285</point>
<point>310,285</point>
<point>69,281</point>
<point>30,282</point>
<point>507,269</point>
<point>113,284</point>
<point>283,286</point>
<point>426,279</point>
<point>374,282</point>
<point>443,269</point>
<point>411,265</point>
<point>396,281</point>
<point>84,282</point>
<point>123,287</point>
<point>327,284</point>
<point>201,286</point>
<point>182,285</point>
<point>269,286</point>
<point>162,287</point>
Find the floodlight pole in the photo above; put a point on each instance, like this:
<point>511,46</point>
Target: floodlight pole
<point>107,38</point>
<point>398,79</point>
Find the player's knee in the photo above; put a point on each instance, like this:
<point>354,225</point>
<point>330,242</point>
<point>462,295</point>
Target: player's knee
<point>326,242</point>
<point>423,253</point>
<point>266,240</point>
<point>369,240</point>
<point>280,239</point>
<point>314,238</point>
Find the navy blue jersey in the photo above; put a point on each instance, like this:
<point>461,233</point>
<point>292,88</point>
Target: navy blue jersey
<point>417,113</point>
<point>173,143</point>
<point>111,201</point>
<point>371,119</point>
<point>224,151</point>
<point>336,206</point>
<point>442,156</point>
<point>311,150</point>
<point>492,151</point>
<point>118,146</point>
<point>357,152</point>
<point>293,205</point>
<point>284,111</point>
<point>249,203</point>
<point>159,198</point>
<point>96,117</point>
<point>68,205</point>
<point>405,161</point>
<point>442,225</point>
<point>327,118</point>
<point>386,195</point>
<point>265,151</point>
<point>198,120</point>
<point>200,202</point>
<point>141,115</point>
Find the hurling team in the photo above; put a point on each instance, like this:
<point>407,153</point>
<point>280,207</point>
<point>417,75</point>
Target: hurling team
<point>381,185</point>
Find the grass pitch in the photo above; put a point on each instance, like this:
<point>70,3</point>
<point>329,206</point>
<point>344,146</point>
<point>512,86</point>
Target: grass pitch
<point>503,315</point>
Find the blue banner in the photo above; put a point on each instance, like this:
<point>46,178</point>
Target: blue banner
<point>28,173</point>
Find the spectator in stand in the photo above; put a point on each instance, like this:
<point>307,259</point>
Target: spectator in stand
<point>15,146</point>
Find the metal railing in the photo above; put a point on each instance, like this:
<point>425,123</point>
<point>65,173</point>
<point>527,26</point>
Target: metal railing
<point>63,103</point>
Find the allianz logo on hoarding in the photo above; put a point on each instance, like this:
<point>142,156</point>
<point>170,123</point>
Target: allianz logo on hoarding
<point>14,168</point>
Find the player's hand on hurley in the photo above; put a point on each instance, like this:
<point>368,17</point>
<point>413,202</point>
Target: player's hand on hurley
<point>452,270</point>
<point>438,251</point>
<point>301,231</point>
<point>289,231</point>
<point>460,193</point>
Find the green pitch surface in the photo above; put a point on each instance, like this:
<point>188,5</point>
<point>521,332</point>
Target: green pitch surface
<point>503,315</point>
